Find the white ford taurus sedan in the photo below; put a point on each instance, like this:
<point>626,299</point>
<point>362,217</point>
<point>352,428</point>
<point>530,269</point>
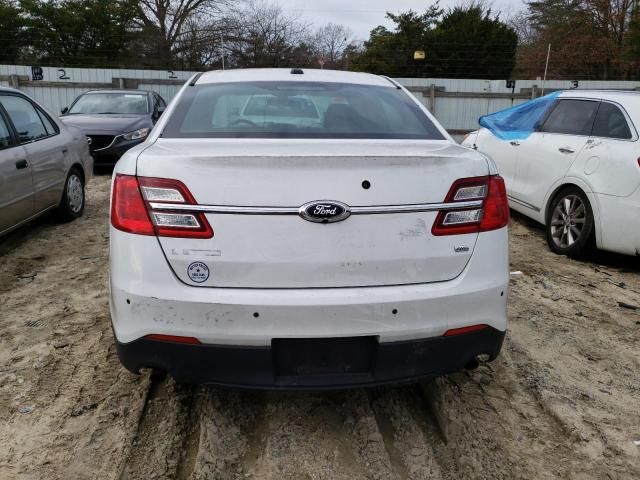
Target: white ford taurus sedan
<point>577,171</point>
<point>291,229</point>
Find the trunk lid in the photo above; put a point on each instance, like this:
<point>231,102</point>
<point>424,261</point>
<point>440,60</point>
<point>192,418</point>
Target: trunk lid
<point>285,251</point>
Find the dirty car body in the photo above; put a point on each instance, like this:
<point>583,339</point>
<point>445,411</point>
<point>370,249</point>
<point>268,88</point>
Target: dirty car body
<point>366,248</point>
<point>44,165</point>
<point>577,171</point>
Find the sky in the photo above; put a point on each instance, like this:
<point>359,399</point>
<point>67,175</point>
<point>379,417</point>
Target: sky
<point>363,15</point>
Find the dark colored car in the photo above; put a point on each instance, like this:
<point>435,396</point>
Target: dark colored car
<point>114,120</point>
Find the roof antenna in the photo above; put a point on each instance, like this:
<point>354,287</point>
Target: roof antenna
<point>297,71</point>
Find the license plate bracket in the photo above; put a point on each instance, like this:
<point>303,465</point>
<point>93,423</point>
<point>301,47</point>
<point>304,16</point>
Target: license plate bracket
<point>303,357</point>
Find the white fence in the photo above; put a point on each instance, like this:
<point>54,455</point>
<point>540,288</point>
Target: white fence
<point>56,88</point>
<point>457,103</point>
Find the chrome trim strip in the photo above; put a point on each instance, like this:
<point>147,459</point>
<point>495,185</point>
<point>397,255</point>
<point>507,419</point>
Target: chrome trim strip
<point>418,207</point>
<point>108,146</point>
<point>373,210</point>
<point>524,204</point>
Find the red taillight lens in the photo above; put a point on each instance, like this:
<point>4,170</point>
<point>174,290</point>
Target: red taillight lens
<point>463,330</point>
<point>173,339</point>
<point>128,209</point>
<point>492,214</point>
<point>496,206</point>
<point>135,208</point>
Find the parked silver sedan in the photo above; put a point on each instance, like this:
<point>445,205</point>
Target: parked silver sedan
<point>44,165</point>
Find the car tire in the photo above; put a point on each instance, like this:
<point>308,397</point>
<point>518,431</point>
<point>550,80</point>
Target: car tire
<point>73,197</point>
<point>569,223</point>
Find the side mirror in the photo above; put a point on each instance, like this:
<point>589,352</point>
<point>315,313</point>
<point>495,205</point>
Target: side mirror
<point>64,110</point>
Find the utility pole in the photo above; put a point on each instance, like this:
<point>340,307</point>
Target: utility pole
<point>546,66</point>
<point>222,48</point>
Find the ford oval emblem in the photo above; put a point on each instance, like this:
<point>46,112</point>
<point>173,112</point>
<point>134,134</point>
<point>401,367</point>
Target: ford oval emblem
<point>324,211</point>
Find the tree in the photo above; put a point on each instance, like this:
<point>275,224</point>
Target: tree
<point>589,39</point>
<point>12,28</point>
<point>172,34</point>
<point>167,30</point>
<point>469,42</point>
<point>391,52</point>
<point>466,42</point>
<point>262,35</point>
<point>77,32</point>
<point>330,43</point>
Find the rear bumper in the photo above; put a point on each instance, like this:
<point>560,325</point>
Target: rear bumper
<point>265,367</point>
<point>619,224</point>
<point>146,298</point>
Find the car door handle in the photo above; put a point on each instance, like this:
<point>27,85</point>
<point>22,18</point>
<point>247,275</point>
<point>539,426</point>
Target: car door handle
<point>20,164</point>
<point>513,143</point>
<point>65,149</point>
<point>566,150</point>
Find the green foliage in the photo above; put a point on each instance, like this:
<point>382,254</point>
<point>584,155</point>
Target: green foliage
<point>464,42</point>
<point>11,31</point>
<point>77,32</point>
<point>470,43</point>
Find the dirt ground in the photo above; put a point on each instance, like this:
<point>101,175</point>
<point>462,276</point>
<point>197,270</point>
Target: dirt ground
<point>562,400</point>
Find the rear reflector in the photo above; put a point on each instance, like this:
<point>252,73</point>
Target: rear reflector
<point>131,208</point>
<point>463,330</point>
<point>493,214</point>
<point>173,339</point>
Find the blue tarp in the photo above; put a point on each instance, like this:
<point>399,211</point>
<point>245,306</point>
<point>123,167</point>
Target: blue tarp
<point>517,123</point>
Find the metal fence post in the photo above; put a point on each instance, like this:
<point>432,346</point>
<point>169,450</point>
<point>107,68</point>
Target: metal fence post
<point>432,98</point>
<point>14,81</point>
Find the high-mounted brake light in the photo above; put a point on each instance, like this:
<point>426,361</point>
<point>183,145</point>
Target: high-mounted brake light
<point>132,212</point>
<point>492,214</point>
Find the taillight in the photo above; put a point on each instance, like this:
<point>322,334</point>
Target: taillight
<point>131,209</point>
<point>491,214</point>
<point>128,209</point>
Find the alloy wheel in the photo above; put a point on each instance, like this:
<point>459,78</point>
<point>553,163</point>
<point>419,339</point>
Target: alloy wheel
<point>568,221</point>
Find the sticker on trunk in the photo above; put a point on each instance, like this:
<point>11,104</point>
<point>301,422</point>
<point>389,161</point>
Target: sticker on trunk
<point>198,272</point>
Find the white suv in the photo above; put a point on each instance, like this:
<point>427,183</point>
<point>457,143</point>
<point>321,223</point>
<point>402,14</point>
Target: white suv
<point>577,171</point>
<point>366,248</point>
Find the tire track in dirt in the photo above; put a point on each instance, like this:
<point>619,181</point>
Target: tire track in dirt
<point>67,409</point>
<point>409,450</point>
<point>289,436</point>
<point>191,442</point>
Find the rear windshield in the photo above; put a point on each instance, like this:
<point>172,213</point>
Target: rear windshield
<point>298,110</point>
